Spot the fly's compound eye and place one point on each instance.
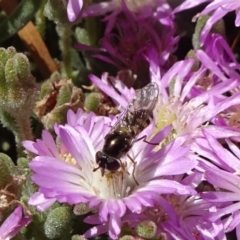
(100, 157)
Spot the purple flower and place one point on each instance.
(221, 168)
(229, 183)
(181, 103)
(209, 147)
(180, 217)
(221, 56)
(217, 8)
(12, 225)
(219, 59)
(128, 34)
(65, 173)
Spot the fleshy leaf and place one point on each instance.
(23, 13)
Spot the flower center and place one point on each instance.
(114, 185)
(179, 114)
(164, 117)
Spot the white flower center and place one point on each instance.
(114, 185)
(176, 113)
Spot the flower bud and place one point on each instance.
(146, 229)
(81, 209)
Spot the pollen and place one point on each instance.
(113, 176)
(68, 159)
(109, 176)
(165, 116)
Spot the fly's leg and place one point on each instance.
(144, 139)
(122, 167)
(134, 166)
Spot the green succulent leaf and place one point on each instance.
(23, 13)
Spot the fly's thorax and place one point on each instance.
(116, 144)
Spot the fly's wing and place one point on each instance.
(138, 114)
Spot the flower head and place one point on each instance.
(182, 101)
(65, 173)
(127, 36)
(221, 169)
(180, 217)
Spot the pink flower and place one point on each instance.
(127, 36)
(181, 217)
(65, 173)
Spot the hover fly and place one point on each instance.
(124, 134)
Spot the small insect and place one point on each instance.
(124, 134)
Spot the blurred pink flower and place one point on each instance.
(12, 225)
